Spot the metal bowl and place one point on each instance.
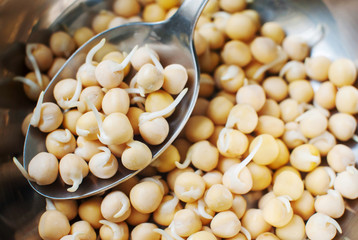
(33, 21)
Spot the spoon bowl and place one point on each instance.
(172, 40)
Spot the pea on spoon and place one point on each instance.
(172, 40)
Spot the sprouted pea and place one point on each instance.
(86, 71)
(34, 82)
(243, 117)
(312, 123)
(324, 142)
(281, 58)
(225, 224)
(321, 226)
(116, 207)
(346, 183)
(189, 187)
(32, 59)
(201, 235)
(232, 143)
(107, 133)
(164, 214)
(229, 77)
(83, 228)
(60, 142)
(110, 230)
(87, 148)
(153, 127)
(293, 70)
(104, 164)
(87, 126)
(47, 116)
(320, 180)
(289, 184)
(238, 178)
(305, 157)
(203, 155)
(292, 136)
(72, 170)
(185, 223)
(67, 93)
(254, 222)
(236, 52)
(278, 211)
(42, 169)
(109, 73)
(340, 157)
(53, 225)
(331, 204)
(136, 156)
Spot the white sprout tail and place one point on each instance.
(35, 119)
(150, 116)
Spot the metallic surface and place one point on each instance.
(20, 206)
(173, 43)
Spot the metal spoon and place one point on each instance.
(172, 39)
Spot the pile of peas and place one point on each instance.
(102, 107)
(258, 128)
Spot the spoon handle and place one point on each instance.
(185, 18)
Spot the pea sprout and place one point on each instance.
(29, 48)
(173, 232)
(169, 206)
(231, 72)
(103, 165)
(246, 233)
(117, 231)
(87, 70)
(155, 60)
(282, 56)
(220, 19)
(22, 170)
(286, 201)
(73, 102)
(73, 236)
(35, 120)
(201, 210)
(320, 225)
(125, 207)
(109, 73)
(62, 137)
(231, 178)
(187, 160)
(72, 170)
(291, 66)
(144, 117)
(164, 234)
(49, 205)
(156, 180)
(34, 88)
(315, 36)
